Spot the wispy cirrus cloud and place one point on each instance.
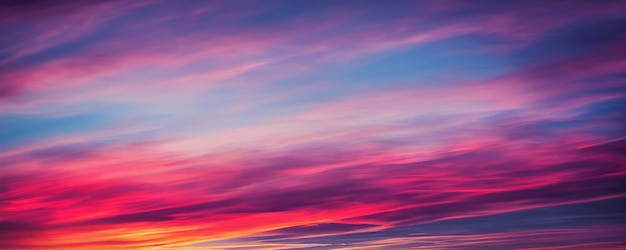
(312, 125)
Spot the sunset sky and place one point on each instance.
(297, 124)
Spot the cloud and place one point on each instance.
(355, 125)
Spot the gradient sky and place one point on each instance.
(303, 124)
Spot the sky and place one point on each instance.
(278, 124)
